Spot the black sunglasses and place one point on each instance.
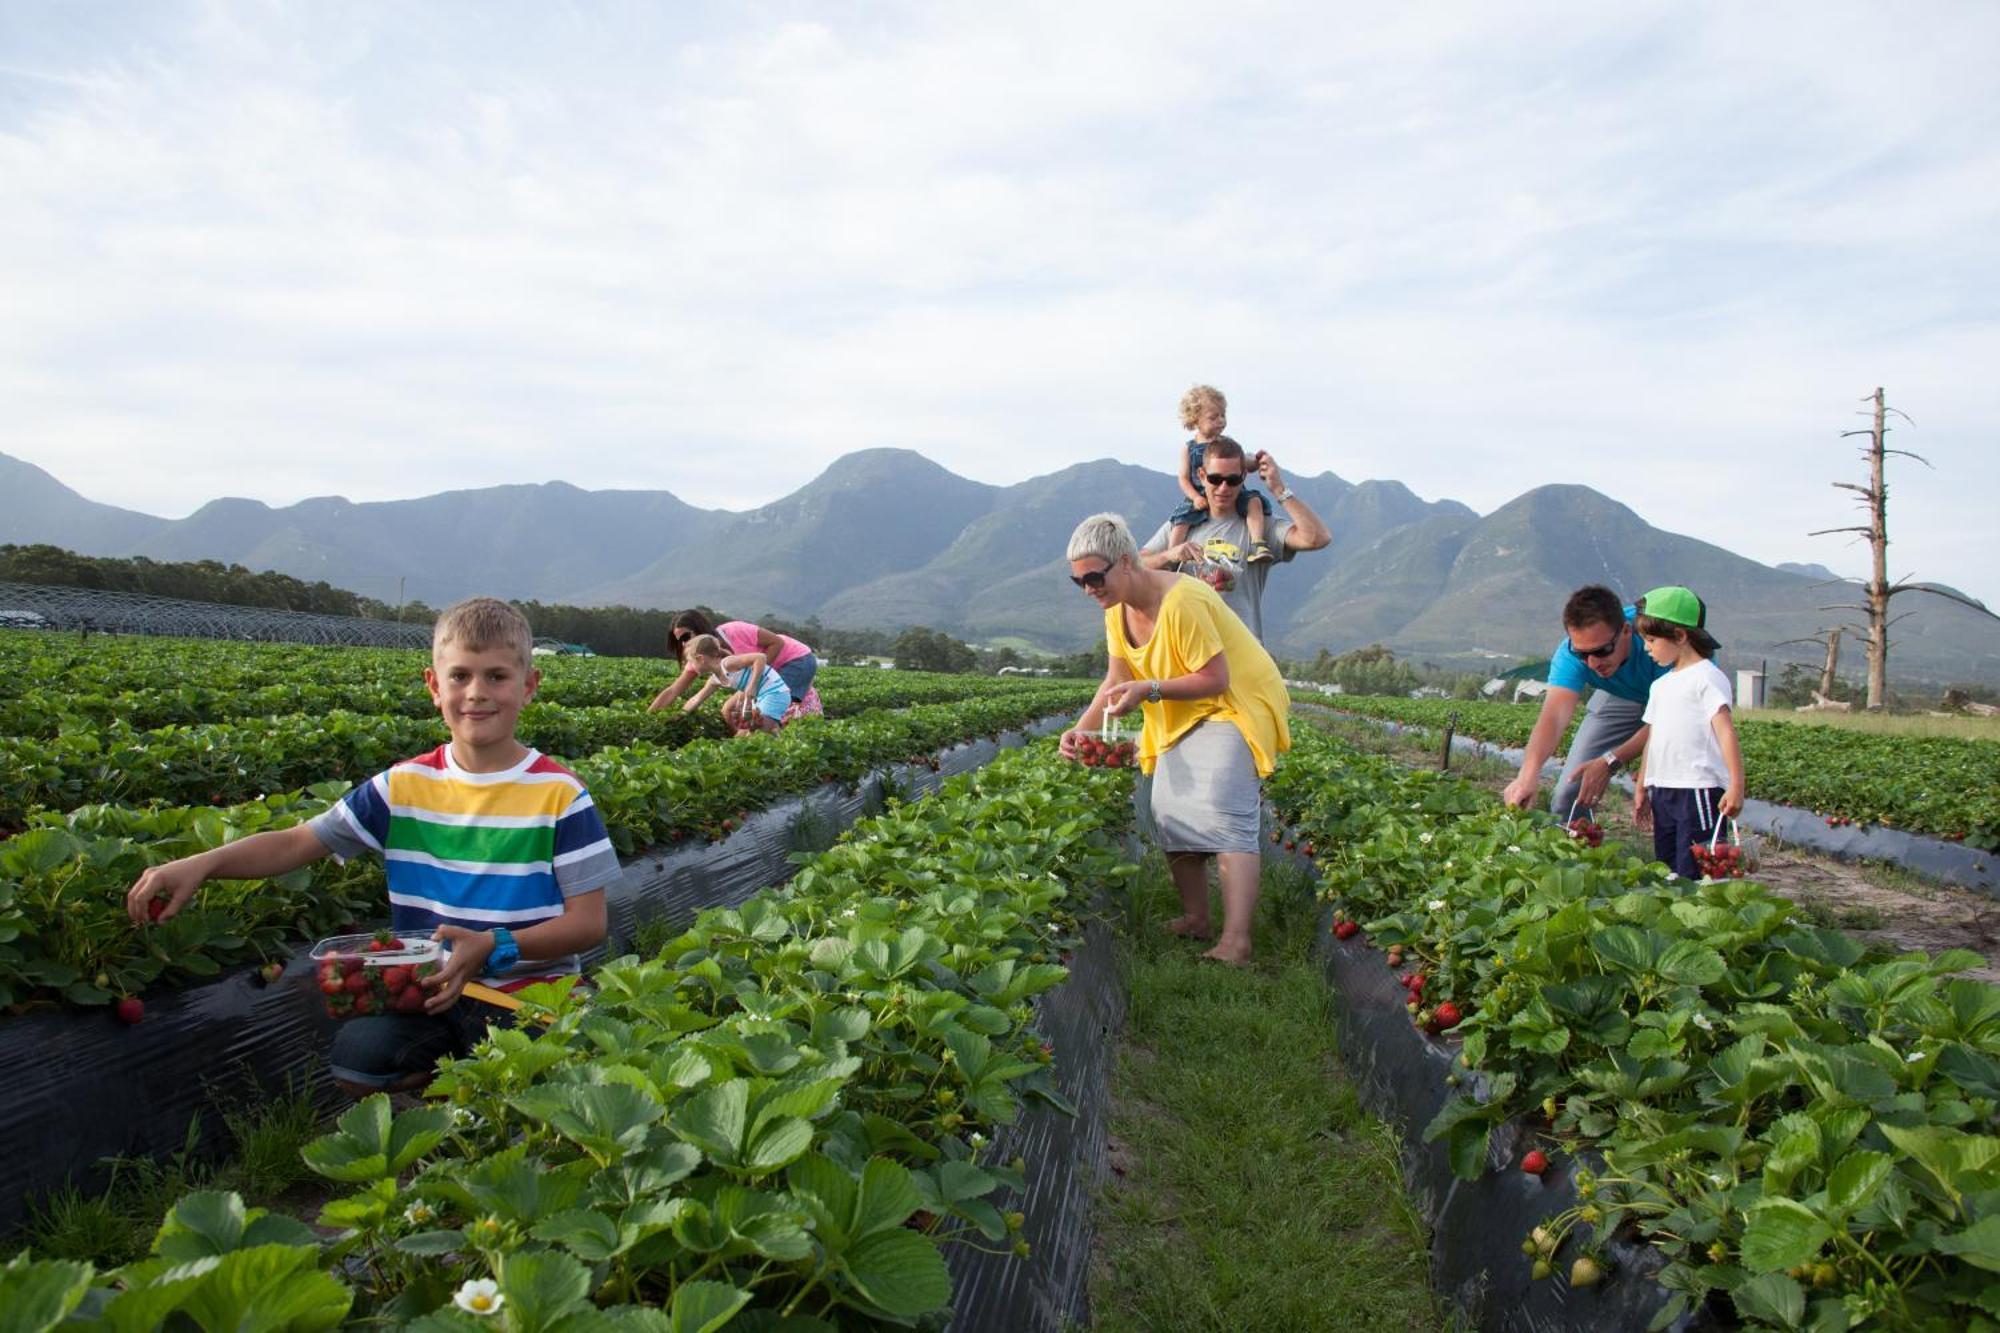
(1224, 478)
(1093, 580)
(1603, 650)
(683, 635)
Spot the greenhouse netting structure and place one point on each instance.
(36, 606)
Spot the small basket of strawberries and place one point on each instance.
(1218, 574)
(382, 973)
(1107, 747)
(1582, 827)
(1717, 859)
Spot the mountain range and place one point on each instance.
(886, 537)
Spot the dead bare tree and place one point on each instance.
(1878, 590)
(1828, 639)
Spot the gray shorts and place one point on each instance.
(1205, 793)
(1608, 722)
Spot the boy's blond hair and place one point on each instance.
(484, 623)
(705, 646)
(1193, 399)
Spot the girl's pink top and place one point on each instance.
(741, 636)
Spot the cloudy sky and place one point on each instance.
(283, 250)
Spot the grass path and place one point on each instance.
(1249, 1191)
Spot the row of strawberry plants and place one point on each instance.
(48, 710)
(778, 1123)
(1791, 1119)
(1940, 785)
(63, 931)
(222, 763)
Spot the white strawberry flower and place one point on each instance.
(1913, 1057)
(1436, 904)
(418, 1213)
(1425, 836)
(1513, 846)
(1701, 1021)
(480, 1296)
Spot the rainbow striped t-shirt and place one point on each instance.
(476, 850)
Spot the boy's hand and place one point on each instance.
(171, 885)
(1642, 809)
(1731, 804)
(467, 960)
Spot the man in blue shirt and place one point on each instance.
(1601, 649)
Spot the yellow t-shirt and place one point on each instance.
(1194, 625)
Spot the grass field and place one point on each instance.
(1956, 726)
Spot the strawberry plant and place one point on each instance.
(1803, 1128)
(789, 1109)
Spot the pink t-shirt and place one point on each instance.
(741, 636)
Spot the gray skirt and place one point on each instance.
(1205, 794)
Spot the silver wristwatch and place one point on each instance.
(1284, 496)
(1153, 694)
(1612, 761)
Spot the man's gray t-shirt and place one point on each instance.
(1226, 541)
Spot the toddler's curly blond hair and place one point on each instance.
(1193, 399)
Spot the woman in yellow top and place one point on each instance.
(1214, 708)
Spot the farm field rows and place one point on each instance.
(789, 1111)
(92, 807)
(1943, 786)
(1804, 1129)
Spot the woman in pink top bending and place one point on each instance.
(793, 661)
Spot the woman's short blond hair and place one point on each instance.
(1102, 537)
(480, 624)
(1193, 400)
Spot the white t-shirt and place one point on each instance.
(1682, 750)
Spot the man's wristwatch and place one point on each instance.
(1153, 694)
(1284, 496)
(1612, 761)
(505, 953)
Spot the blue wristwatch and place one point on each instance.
(505, 953)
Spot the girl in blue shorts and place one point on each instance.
(761, 695)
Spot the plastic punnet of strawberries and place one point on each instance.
(1722, 861)
(1098, 752)
(1585, 829)
(381, 973)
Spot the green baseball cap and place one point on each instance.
(1675, 605)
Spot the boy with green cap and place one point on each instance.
(1691, 777)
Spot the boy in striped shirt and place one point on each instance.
(490, 846)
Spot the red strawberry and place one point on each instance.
(364, 1003)
(1447, 1016)
(131, 1009)
(410, 1000)
(349, 966)
(395, 978)
(1307, 848)
(156, 907)
(1535, 1162)
(271, 973)
(333, 985)
(1345, 930)
(357, 983)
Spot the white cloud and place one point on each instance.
(283, 250)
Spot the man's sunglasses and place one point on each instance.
(1224, 478)
(1093, 580)
(1602, 650)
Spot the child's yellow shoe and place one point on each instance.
(1260, 554)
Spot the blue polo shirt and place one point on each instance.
(1633, 680)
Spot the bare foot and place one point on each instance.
(1233, 957)
(1188, 928)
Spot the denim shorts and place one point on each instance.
(1189, 515)
(798, 674)
(381, 1050)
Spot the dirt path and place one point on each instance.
(1879, 904)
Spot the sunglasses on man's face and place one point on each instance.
(1093, 580)
(1224, 478)
(1602, 650)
